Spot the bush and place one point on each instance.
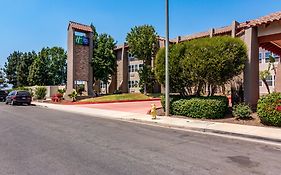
(61, 91)
(202, 62)
(242, 111)
(269, 109)
(40, 92)
(80, 89)
(199, 107)
(73, 95)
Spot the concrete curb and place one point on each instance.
(202, 126)
(205, 130)
(114, 101)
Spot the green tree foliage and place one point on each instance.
(57, 70)
(104, 59)
(180, 80)
(147, 79)
(23, 66)
(11, 67)
(38, 74)
(49, 68)
(207, 62)
(142, 41)
(2, 77)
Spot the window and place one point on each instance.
(136, 68)
(277, 57)
(260, 57)
(129, 84)
(269, 80)
(140, 66)
(133, 68)
(267, 55)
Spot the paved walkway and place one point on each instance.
(141, 107)
(254, 132)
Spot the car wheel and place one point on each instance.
(6, 102)
(13, 103)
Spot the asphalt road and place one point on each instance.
(40, 141)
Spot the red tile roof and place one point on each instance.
(80, 27)
(227, 29)
(240, 28)
(265, 19)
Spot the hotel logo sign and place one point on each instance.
(81, 40)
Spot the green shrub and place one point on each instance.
(73, 95)
(40, 92)
(269, 109)
(61, 91)
(199, 107)
(242, 111)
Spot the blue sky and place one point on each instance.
(27, 25)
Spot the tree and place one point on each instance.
(23, 66)
(179, 79)
(2, 77)
(142, 41)
(104, 59)
(57, 69)
(38, 73)
(266, 73)
(201, 63)
(11, 67)
(49, 67)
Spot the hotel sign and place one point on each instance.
(81, 40)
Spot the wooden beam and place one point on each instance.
(269, 38)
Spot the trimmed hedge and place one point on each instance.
(268, 109)
(199, 107)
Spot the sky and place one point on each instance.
(27, 25)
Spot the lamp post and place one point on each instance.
(167, 99)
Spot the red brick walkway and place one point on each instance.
(141, 107)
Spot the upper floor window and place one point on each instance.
(276, 57)
(267, 55)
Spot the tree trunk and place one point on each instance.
(105, 88)
(266, 85)
(144, 89)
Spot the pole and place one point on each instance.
(167, 99)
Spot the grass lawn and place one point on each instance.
(132, 96)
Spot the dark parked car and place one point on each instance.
(3, 95)
(18, 97)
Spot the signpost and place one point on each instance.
(167, 99)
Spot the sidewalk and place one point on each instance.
(254, 132)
